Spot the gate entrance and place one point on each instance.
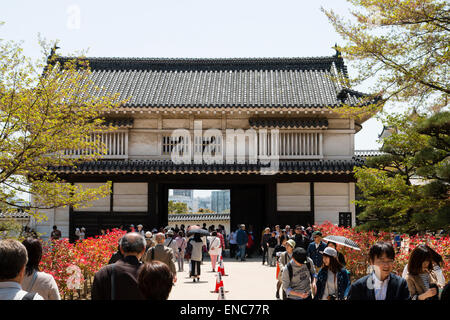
(246, 205)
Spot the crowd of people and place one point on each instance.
(146, 262)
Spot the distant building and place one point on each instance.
(204, 203)
(220, 200)
(185, 196)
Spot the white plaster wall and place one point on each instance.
(44, 227)
(102, 204)
(330, 199)
(58, 217)
(141, 143)
(175, 123)
(336, 144)
(146, 144)
(338, 124)
(130, 197)
(210, 123)
(145, 123)
(293, 196)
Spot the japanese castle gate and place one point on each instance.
(283, 103)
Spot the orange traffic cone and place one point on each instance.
(222, 268)
(219, 263)
(221, 294)
(219, 282)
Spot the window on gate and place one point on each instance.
(345, 219)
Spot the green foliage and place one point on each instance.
(177, 207)
(205, 210)
(46, 109)
(407, 188)
(403, 45)
(10, 229)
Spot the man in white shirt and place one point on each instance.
(13, 260)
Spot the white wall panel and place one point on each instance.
(330, 199)
(293, 196)
(102, 204)
(130, 197)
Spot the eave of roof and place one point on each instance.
(168, 167)
(199, 217)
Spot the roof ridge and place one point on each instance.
(203, 58)
(209, 64)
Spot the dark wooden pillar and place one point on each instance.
(163, 205)
(153, 205)
(71, 225)
(271, 204)
(311, 195)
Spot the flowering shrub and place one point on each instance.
(73, 264)
(358, 261)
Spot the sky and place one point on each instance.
(182, 29)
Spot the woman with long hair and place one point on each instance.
(340, 256)
(196, 256)
(35, 281)
(421, 278)
(332, 281)
(215, 249)
(437, 262)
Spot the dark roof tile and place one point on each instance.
(243, 82)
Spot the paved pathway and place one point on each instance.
(247, 280)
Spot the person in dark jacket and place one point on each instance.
(300, 240)
(333, 282)
(118, 281)
(272, 244)
(265, 245)
(315, 248)
(241, 239)
(381, 284)
(116, 256)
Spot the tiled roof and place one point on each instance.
(119, 123)
(168, 167)
(288, 123)
(15, 214)
(241, 82)
(368, 153)
(199, 217)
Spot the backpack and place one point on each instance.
(29, 296)
(289, 267)
(188, 250)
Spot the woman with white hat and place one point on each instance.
(333, 282)
(283, 260)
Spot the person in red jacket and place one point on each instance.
(250, 244)
(222, 241)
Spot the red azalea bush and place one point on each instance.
(74, 264)
(358, 261)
